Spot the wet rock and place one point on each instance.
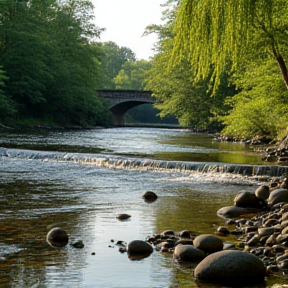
(234, 212)
(123, 216)
(139, 247)
(57, 237)
(168, 233)
(78, 244)
(208, 243)
(188, 253)
(149, 196)
(185, 234)
(222, 231)
(228, 267)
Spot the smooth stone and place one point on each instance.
(278, 196)
(57, 237)
(267, 231)
(168, 233)
(139, 247)
(248, 199)
(188, 253)
(262, 192)
(208, 243)
(228, 267)
(149, 196)
(234, 212)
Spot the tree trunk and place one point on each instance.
(282, 66)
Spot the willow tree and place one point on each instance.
(218, 34)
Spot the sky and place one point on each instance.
(125, 22)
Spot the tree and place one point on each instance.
(175, 89)
(49, 53)
(112, 59)
(6, 105)
(131, 75)
(214, 33)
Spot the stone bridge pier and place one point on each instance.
(120, 101)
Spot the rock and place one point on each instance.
(234, 212)
(278, 196)
(208, 243)
(78, 244)
(57, 237)
(228, 267)
(188, 253)
(247, 199)
(267, 231)
(262, 192)
(222, 231)
(149, 196)
(168, 233)
(123, 216)
(139, 247)
(184, 234)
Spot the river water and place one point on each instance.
(81, 180)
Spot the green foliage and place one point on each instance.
(148, 114)
(6, 105)
(175, 89)
(112, 59)
(49, 53)
(260, 107)
(216, 33)
(131, 75)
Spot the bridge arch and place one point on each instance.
(120, 101)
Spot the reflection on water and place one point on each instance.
(166, 144)
(37, 195)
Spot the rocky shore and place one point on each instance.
(258, 223)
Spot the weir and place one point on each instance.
(121, 162)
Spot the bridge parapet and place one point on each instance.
(117, 96)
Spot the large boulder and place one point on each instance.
(278, 196)
(188, 253)
(208, 243)
(231, 267)
(234, 212)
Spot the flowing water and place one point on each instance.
(80, 180)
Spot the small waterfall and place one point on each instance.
(121, 162)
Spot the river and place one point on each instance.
(80, 180)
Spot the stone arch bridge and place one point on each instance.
(120, 101)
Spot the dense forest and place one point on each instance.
(52, 63)
(219, 65)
